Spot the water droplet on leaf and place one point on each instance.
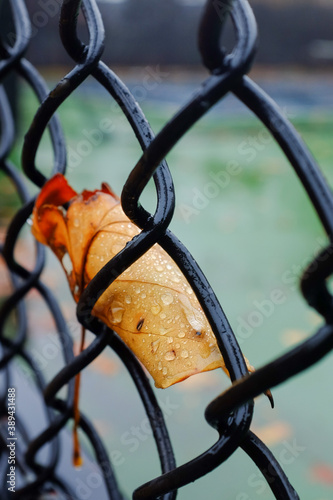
(170, 356)
(155, 346)
(117, 312)
(167, 299)
(155, 309)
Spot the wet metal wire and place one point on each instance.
(231, 412)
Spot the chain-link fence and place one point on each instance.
(35, 474)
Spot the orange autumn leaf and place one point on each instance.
(150, 305)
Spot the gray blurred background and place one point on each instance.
(138, 32)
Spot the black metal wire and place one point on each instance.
(231, 412)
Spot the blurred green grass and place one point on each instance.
(248, 236)
(261, 218)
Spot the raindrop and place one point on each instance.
(167, 299)
(191, 314)
(128, 299)
(184, 354)
(117, 312)
(143, 295)
(170, 356)
(162, 315)
(181, 335)
(155, 309)
(76, 223)
(204, 350)
(159, 366)
(155, 345)
(165, 371)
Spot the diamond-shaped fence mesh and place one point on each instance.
(36, 473)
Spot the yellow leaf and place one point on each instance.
(151, 305)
